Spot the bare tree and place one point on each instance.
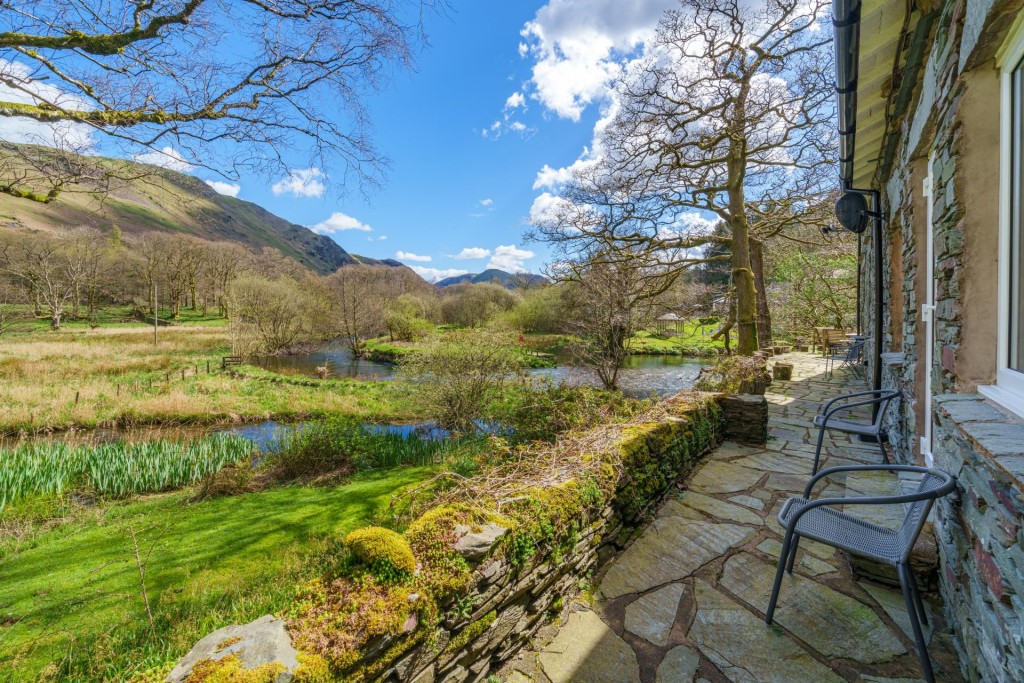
(12, 303)
(267, 315)
(154, 76)
(729, 115)
(356, 304)
(226, 261)
(608, 302)
(47, 266)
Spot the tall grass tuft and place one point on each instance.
(114, 469)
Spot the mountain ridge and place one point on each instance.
(502, 277)
(157, 199)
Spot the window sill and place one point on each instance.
(988, 428)
(1004, 398)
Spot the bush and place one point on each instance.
(459, 374)
(386, 552)
(541, 412)
(735, 374)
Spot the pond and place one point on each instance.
(335, 356)
(641, 377)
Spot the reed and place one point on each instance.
(114, 469)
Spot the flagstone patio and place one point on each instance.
(685, 602)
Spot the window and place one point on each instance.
(1009, 387)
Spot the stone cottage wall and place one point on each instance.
(978, 530)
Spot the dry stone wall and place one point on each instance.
(511, 574)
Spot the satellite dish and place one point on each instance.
(852, 212)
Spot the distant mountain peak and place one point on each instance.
(501, 277)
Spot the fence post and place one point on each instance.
(207, 367)
(183, 374)
(118, 389)
(76, 398)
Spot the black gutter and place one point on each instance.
(846, 23)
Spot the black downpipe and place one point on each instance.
(846, 24)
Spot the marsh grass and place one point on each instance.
(117, 377)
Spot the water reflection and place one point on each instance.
(335, 356)
(641, 376)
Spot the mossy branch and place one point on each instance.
(105, 43)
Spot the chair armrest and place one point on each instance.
(950, 480)
(856, 404)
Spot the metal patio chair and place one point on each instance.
(826, 418)
(816, 520)
(847, 353)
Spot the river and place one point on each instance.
(641, 377)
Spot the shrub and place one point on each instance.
(386, 552)
(459, 374)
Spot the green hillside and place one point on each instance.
(146, 198)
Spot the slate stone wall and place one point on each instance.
(978, 529)
(980, 539)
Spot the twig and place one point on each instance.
(142, 578)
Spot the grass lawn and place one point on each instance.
(72, 598)
(689, 342)
(116, 376)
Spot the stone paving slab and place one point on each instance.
(685, 602)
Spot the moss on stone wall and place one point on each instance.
(360, 624)
(386, 552)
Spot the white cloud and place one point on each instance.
(230, 189)
(546, 208)
(473, 252)
(302, 182)
(435, 274)
(382, 238)
(27, 90)
(577, 46)
(486, 202)
(510, 258)
(409, 256)
(500, 128)
(165, 157)
(515, 100)
(339, 222)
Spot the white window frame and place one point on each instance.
(1008, 391)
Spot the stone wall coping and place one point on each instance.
(995, 433)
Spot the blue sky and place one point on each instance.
(457, 184)
(502, 104)
(449, 187)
